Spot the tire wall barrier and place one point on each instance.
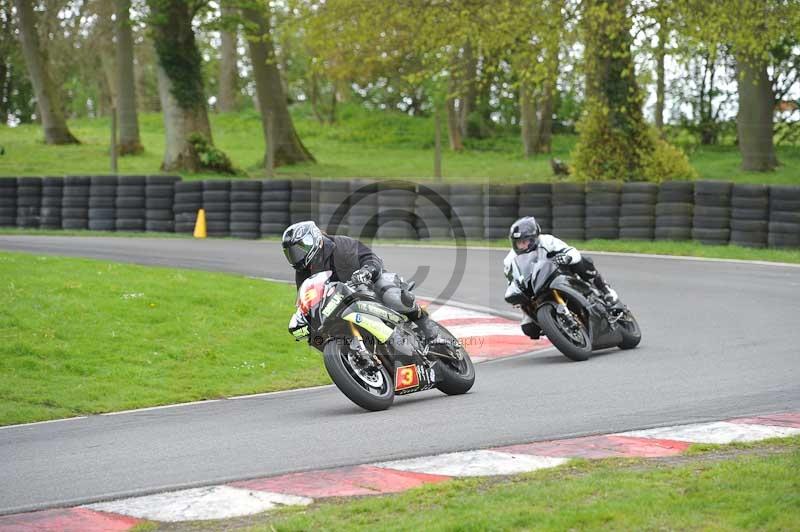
(637, 211)
(711, 223)
(569, 211)
(500, 208)
(712, 212)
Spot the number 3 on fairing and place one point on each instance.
(406, 377)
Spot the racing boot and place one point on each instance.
(423, 320)
(609, 294)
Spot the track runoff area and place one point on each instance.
(486, 337)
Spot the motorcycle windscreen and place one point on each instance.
(534, 271)
(311, 291)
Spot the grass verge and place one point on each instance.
(83, 336)
(362, 142)
(754, 486)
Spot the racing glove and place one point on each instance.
(562, 259)
(362, 276)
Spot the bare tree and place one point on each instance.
(47, 95)
(283, 144)
(129, 142)
(756, 114)
(228, 78)
(180, 88)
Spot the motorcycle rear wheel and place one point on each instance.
(573, 349)
(458, 374)
(356, 386)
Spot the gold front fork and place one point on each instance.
(558, 298)
(355, 331)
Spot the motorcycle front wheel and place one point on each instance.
(368, 385)
(570, 336)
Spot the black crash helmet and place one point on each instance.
(302, 244)
(524, 235)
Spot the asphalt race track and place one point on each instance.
(720, 340)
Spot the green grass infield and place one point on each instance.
(81, 336)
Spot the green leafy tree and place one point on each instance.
(181, 88)
(752, 29)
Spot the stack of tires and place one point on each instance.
(102, 202)
(75, 204)
(466, 206)
(432, 210)
(275, 196)
(333, 206)
(603, 199)
(246, 209)
(784, 217)
(569, 211)
(396, 210)
(637, 212)
(711, 223)
(536, 199)
(131, 201)
(159, 198)
(187, 201)
(52, 196)
(500, 207)
(674, 211)
(8, 202)
(749, 215)
(29, 201)
(217, 204)
(362, 218)
(303, 203)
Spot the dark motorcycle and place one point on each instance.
(373, 353)
(570, 311)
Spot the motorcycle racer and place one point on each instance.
(309, 250)
(526, 236)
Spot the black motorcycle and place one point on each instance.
(373, 353)
(572, 312)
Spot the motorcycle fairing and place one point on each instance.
(371, 324)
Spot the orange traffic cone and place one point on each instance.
(200, 224)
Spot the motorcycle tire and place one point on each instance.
(343, 376)
(631, 333)
(458, 376)
(546, 316)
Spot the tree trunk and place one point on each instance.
(527, 119)
(276, 122)
(545, 118)
(437, 144)
(180, 87)
(469, 91)
(179, 125)
(660, 73)
(756, 112)
(108, 83)
(129, 142)
(47, 96)
(228, 78)
(453, 129)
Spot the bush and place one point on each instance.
(606, 154)
(210, 157)
(666, 162)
